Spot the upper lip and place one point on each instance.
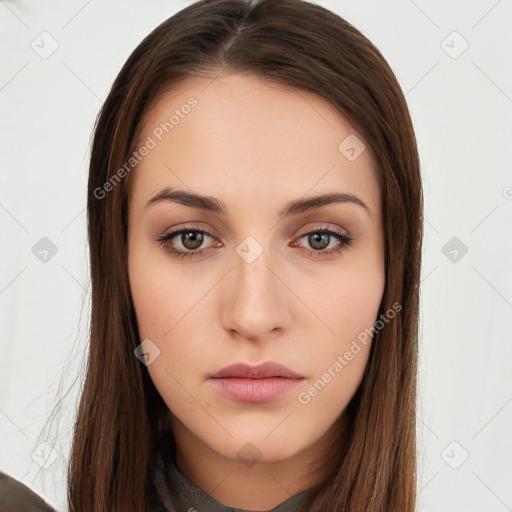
(259, 371)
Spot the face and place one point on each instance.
(254, 272)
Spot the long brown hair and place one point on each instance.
(121, 419)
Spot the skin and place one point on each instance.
(254, 146)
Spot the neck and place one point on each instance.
(260, 485)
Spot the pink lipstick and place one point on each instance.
(255, 383)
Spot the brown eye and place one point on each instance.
(192, 239)
(187, 242)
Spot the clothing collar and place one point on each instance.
(177, 493)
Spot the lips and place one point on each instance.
(261, 371)
(255, 383)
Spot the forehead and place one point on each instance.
(255, 135)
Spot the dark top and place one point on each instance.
(173, 492)
(17, 497)
(176, 493)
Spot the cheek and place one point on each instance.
(154, 312)
(349, 300)
(153, 289)
(348, 306)
(338, 361)
(170, 311)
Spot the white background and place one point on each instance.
(462, 111)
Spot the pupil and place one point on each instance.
(192, 239)
(316, 240)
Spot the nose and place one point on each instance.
(256, 302)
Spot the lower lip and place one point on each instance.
(255, 390)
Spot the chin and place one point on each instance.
(256, 446)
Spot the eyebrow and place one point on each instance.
(211, 204)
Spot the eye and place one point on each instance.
(189, 240)
(322, 238)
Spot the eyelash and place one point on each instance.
(343, 238)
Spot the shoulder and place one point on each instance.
(17, 497)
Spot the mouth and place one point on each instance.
(265, 370)
(255, 383)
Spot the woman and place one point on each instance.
(255, 229)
